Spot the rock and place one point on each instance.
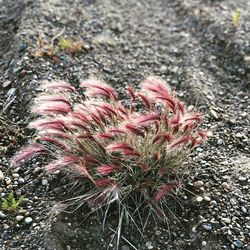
(199, 199)
(236, 231)
(28, 220)
(149, 245)
(220, 142)
(1, 176)
(242, 179)
(203, 243)
(19, 218)
(125, 247)
(22, 47)
(209, 133)
(21, 181)
(163, 69)
(238, 243)
(7, 181)
(157, 232)
(2, 215)
(206, 198)
(244, 210)
(214, 114)
(44, 182)
(247, 59)
(6, 83)
(226, 220)
(198, 184)
(15, 175)
(213, 203)
(225, 186)
(207, 227)
(6, 226)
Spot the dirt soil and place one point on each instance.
(197, 47)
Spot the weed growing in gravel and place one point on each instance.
(236, 18)
(51, 50)
(127, 154)
(10, 203)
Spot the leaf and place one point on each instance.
(5, 203)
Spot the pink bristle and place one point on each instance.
(52, 98)
(145, 101)
(82, 170)
(54, 133)
(163, 137)
(45, 123)
(99, 88)
(202, 134)
(146, 119)
(164, 190)
(105, 182)
(180, 141)
(60, 164)
(131, 153)
(117, 131)
(107, 169)
(119, 147)
(194, 117)
(90, 159)
(51, 108)
(58, 85)
(27, 153)
(134, 129)
(131, 92)
(53, 141)
(105, 136)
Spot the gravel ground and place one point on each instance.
(192, 44)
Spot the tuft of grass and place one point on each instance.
(51, 50)
(123, 154)
(236, 18)
(70, 46)
(10, 203)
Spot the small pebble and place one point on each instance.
(225, 186)
(204, 243)
(242, 179)
(21, 181)
(28, 220)
(206, 198)
(157, 232)
(149, 245)
(207, 227)
(125, 247)
(7, 180)
(2, 215)
(44, 182)
(238, 243)
(15, 175)
(19, 218)
(220, 142)
(210, 134)
(214, 114)
(226, 220)
(6, 226)
(1, 176)
(236, 231)
(199, 199)
(213, 203)
(198, 184)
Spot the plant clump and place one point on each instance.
(10, 203)
(124, 153)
